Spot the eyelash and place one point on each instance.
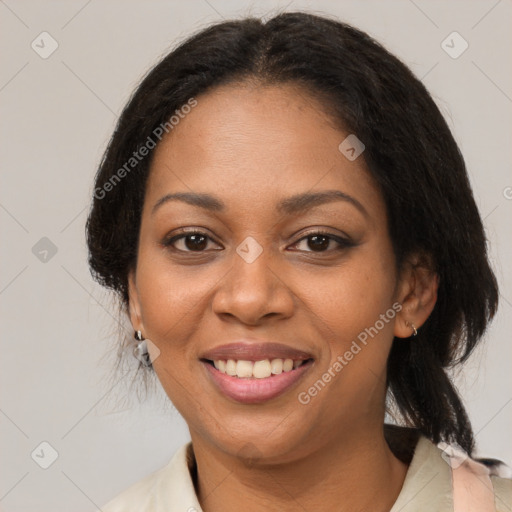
(343, 243)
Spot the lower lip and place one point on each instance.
(255, 391)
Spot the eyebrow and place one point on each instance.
(289, 206)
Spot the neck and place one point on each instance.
(355, 473)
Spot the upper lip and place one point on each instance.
(254, 351)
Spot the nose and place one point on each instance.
(253, 291)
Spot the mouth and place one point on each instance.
(255, 373)
(251, 372)
(262, 369)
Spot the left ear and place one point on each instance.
(417, 292)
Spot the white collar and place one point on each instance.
(427, 486)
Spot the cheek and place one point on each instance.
(172, 302)
(171, 299)
(357, 304)
(351, 376)
(352, 297)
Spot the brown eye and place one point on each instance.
(319, 242)
(193, 241)
(323, 242)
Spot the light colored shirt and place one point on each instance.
(427, 486)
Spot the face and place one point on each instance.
(291, 247)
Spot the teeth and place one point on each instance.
(276, 366)
(259, 370)
(230, 367)
(244, 369)
(288, 365)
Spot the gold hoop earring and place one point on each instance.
(414, 330)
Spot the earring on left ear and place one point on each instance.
(414, 330)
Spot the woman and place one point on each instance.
(287, 220)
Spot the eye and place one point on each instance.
(322, 241)
(191, 241)
(317, 241)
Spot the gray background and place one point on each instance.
(58, 328)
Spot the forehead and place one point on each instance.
(253, 144)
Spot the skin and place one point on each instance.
(252, 146)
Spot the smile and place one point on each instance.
(254, 382)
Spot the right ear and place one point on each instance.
(134, 303)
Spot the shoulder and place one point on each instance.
(487, 475)
(139, 496)
(502, 493)
(169, 488)
(429, 482)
